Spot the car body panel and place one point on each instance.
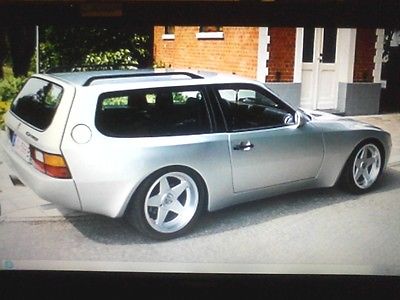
(131, 160)
(341, 137)
(60, 191)
(272, 161)
(106, 171)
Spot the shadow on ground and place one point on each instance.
(116, 231)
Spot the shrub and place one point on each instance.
(4, 106)
(119, 57)
(159, 64)
(9, 89)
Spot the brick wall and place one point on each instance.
(364, 56)
(282, 48)
(235, 53)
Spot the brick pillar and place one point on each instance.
(282, 48)
(364, 56)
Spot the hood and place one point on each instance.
(348, 122)
(320, 115)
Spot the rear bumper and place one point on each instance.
(60, 191)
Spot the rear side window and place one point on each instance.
(153, 112)
(37, 102)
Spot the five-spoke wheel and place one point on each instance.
(363, 167)
(366, 166)
(171, 202)
(167, 203)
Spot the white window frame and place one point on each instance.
(210, 35)
(168, 36)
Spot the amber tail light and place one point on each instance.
(51, 164)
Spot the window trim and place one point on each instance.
(217, 35)
(215, 87)
(168, 36)
(200, 88)
(55, 109)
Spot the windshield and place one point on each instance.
(37, 102)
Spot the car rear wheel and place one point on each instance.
(168, 203)
(363, 168)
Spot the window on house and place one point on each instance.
(210, 28)
(210, 32)
(169, 33)
(169, 29)
(308, 45)
(329, 49)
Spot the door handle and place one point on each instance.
(244, 146)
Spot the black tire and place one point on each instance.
(137, 216)
(348, 180)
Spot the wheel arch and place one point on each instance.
(364, 141)
(164, 169)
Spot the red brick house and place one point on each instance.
(336, 69)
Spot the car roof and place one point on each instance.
(88, 78)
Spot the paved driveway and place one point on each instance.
(316, 231)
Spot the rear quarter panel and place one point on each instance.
(108, 170)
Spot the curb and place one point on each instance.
(6, 219)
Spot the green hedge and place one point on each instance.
(4, 106)
(9, 88)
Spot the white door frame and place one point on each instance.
(263, 54)
(344, 65)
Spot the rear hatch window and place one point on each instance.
(37, 102)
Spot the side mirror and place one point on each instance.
(300, 119)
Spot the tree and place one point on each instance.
(70, 46)
(3, 50)
(20, 48)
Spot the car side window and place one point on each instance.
(153, 112)
(250, 107)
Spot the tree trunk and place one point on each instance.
(22, 46)
(3, 50)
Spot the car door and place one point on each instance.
(266, 147)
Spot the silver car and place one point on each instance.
(161, 147)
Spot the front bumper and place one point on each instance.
(59, 191)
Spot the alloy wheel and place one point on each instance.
(366, 166)
(171, 202)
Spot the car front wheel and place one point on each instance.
(168, 203)
(363, 168)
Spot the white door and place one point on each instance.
(319, 89)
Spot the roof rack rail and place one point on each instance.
(112, 76)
